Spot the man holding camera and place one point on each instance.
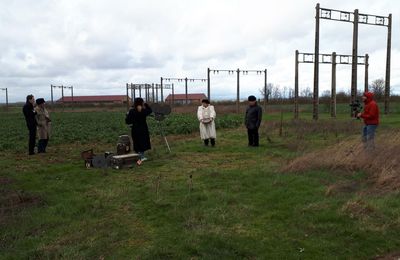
(371, 120)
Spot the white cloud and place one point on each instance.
(98, 46)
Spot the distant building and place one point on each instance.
(114, 99)
(181, 98)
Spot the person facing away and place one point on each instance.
(370, 115)
(253, 121)
(206, 115)
(43, 124)
(29, 114)
(136, 117)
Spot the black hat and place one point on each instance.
(40, 101)
(252, 98)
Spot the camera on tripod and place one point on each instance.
(356, 108)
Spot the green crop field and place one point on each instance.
(227, 202)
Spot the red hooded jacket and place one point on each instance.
(371, 110)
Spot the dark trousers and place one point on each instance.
(253, 137)
(32, 140)
(206, 141)
(42, 145)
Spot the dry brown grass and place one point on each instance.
(382, 164)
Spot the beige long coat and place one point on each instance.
(43, 123)
(207, 130)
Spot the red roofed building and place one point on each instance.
(117, 99)
(181, 98)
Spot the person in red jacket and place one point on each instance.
(371, 119)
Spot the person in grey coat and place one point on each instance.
(253, 121)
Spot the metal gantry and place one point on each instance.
(238, 71)
(6, 90)
(160, 88)
(150, 91)
(62, 87)
(356, 18)
(333, 59)
(186, 80)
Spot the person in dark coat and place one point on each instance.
(30, 113)
(136, 117)
(253, 121)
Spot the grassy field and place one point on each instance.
(228, 202)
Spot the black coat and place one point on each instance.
(253, 117)
(29, 113)
(140, 130)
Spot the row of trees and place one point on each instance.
(277, 93)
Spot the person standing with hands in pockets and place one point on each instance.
(253, 121)
(206, 115)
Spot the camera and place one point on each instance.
(356, 108)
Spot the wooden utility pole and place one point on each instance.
(316, 64)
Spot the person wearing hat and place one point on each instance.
(253, 121)
(30, 114)
(43, 124)
(370, 115)
(206, 116)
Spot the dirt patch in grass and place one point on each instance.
(358, 209)
(390, 256)
(12, 202)
(343, 187)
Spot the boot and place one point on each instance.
(212, 142)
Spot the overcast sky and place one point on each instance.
(98, 45)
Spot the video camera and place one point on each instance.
(160, 111)
(356, 108)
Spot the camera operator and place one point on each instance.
(136, 117)
(371, 120)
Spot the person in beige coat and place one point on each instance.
(43, 125)
(206, 115)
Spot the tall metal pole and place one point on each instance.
(72, 94)
(161, 91)
(52, 101)
(62, 96)
(316, 64)
(296, 86)
(388, 54)
(354, 60)
(366, 73)
(152, 92)
(127, 96)
(208, 84)
(157, 87)
(333, 86)
(133, 91)
(238, 91)
(173, 94)
(6, 98)
(265, 90)
(186, 91)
